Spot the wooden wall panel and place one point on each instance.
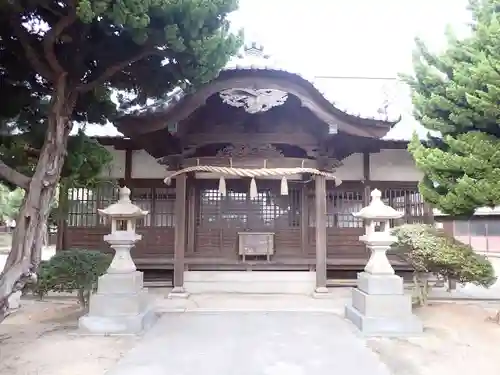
(215, 227)
(86, 228)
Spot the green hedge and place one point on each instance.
(70, 271)
(430, 250)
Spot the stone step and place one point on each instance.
(253, 282)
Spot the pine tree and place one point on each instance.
(456, 96)
(71, 55)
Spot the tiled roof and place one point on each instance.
(253, 58)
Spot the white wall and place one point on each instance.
(393, 165)
(145, 166)
(117, 167)
(352, 168)
(388, 165)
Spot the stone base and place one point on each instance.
(120, 283)
(380, 307)
(178, 292)
(375, 284)
(117, 325)
(321, 293)
(120, 306)
(250, 282)
(385, 305)
(395, 326)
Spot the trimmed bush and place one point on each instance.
(44, 282)
(70, 271)
(430, 250)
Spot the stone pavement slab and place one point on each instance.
(250, 343)
(334, 302)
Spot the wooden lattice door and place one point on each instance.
(220, 218)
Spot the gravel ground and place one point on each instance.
(38, 340)
(459, 339)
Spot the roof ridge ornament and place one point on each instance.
(256, 50)
(252, 57)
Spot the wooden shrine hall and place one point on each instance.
(255, 171)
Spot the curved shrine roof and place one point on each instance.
(247, 75)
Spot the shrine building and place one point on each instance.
(255, 171)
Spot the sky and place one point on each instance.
(349, 38)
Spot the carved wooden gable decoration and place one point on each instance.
(254, 101)
(265, 151)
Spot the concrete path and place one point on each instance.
(250, 343)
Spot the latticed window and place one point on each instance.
(340, 205)
(82, 207)
(107, 194)
(143, 197)
(164, 207)
(237, 210)
(340, 208)
(407, 201)
(159, 202)
(83, 204)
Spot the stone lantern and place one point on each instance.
(121, 304)
(377, 216)
(123, 216)
(379, 305)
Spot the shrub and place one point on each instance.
(430, 250)
(44, 281)
(72, 270)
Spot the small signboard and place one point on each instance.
(256, 244)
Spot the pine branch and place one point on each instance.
(50, 40)
(13, 176)
(31, 54)
(48, 8)
(113, 69)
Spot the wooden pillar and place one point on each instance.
(320, 186)
(180, 233)
(129, 153)
(428, 214)
(366, 178)
(62, 221)
(191, 215)
(304, 219)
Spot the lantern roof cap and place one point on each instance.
(377, 209)
(123, 208)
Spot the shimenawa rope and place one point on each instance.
(257, 172)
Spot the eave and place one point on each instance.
(157, 117)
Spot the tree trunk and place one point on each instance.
(27, 238)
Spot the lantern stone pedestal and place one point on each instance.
(379, 305)
(121, 304)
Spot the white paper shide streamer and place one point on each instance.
(252, 173)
